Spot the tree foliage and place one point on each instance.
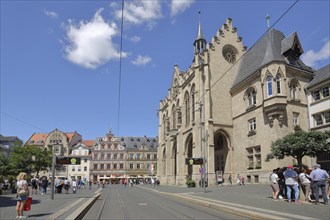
(4, 165)
(300, 144)
(29, 159)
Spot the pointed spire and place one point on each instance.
(200, 42)
(199, 33)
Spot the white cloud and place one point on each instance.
(90, 42)
(141, 60)
(51, 14)
(311, 58)
(135, 38)
(140, 12)
(179, 6)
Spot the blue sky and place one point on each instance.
(60, 59)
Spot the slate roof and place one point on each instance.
(136, 142)
(266, 50)
(7, 138)
(320, 76)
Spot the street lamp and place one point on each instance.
(53, 175)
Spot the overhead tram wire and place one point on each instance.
(24, 122)
(120, 65)
(280, 18)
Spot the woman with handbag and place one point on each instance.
(22, 194)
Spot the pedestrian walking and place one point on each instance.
(230, 183)
(90, 184)
(319, 179)
(22, 194)
(34, 184)
(274, 184)
(291, 183)
(305, 181)
(44, 185)
(239, 180)
(66, 185)
(74, 186)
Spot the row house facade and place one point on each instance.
(81, 150)
(116, 158)
(229, 106)
(319, 108)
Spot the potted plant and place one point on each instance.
(190, 183)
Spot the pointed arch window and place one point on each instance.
(279, 84)
(179, 115)
(174, 116)
(164, 127)
(193, 103)
(269, 86)
(187, 108)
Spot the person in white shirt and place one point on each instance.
(21, 198)
(274, 184)
(305, 181)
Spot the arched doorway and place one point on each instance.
(220, 152)
(189, 153)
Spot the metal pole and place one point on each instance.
(53, 176)
(201, 137)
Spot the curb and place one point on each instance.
(83, 209)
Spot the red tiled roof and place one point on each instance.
(38, 138)
(88, 143)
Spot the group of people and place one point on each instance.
(66, 184)
(240, 180)
(37, 184)
(286, 183)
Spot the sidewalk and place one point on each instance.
(43, 207)
(251, 197)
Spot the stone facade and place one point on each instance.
(230, 105)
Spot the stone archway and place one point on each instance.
(221, 151)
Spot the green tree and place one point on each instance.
(29, 159)
(300, 144)
(4, 165)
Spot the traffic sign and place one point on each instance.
(68, 160)
(194, 161)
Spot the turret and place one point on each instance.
(200, 42)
